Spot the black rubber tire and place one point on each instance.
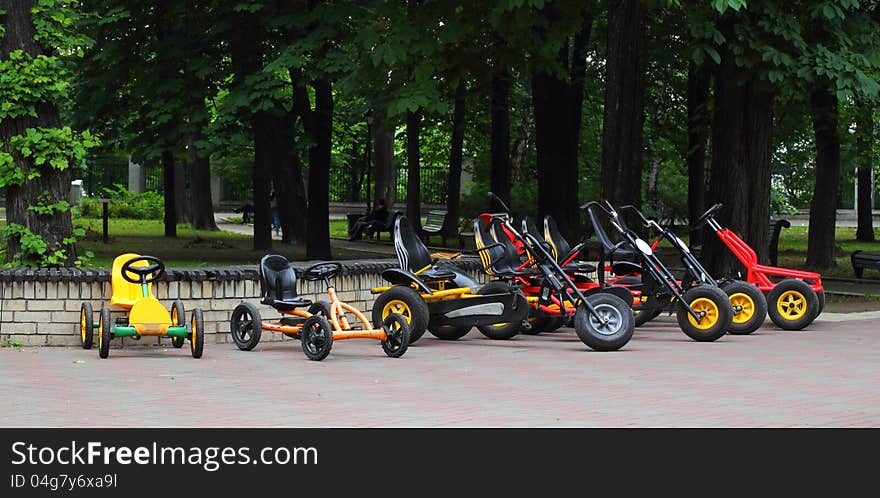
(177, 311)
(723, 313)
(397, 331)
(735, 289)
(781, 290)
(449, 332)
(527, 326)
(245, 325)
(196, 334)
(821, 296)
(651, 310)
(105, 333)
(418, 309)
(600, 337)
(505, 330)
(548, 323)
(320, 308)
(316, 338)
(86, 326)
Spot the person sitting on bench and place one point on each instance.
(375, 217)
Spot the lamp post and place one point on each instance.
(368, 117)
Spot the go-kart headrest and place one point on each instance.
(554, 237)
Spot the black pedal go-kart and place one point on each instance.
(704, 311)
(432, 294)
(602, 320)
(748, 302)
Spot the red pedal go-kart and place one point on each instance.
(794, 297)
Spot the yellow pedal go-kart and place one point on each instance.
(131, 280)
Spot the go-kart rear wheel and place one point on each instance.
(749, 306)
(316, 337)
(406, 302)
(548, 323)
(714, 308)
(178, 315)
(792, 304)
(449, 332)
(105, 332)
(501, 330)
(246, 326)
(610, 328)
(397, 332)
(86, 326)
(821, 296)
(196, 334)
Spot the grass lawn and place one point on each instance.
(192, 248)
(793, 249)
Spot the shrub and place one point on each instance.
(125, 204)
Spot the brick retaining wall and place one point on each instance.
(41, 307)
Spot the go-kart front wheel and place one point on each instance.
(609, 328)
(449, 332)
(86, 326)
(105, 332)
(715, 311)
(196, 333)
(178, 315)
(316, 337)
(792, 304)
(246, 326)
(397, 335)
(749, 307)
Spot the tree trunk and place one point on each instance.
(318, 235)
(383, 165)
(180, 201)
(202, 207)
(741, 149)
(288, 181)
(261, 176)
(557, 110)
(55, 227)
(453, 184)
(823, 208)
(500, 168)
(413, 179)
(169, 187)
(864, 185)
(622, 130)
(698, 121)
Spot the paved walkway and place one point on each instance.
(825, 376)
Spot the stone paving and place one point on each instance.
(827, 376)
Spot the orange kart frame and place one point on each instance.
(322, 324)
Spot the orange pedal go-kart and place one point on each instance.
(322, 324)
(131, 280)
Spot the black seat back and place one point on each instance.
(411, 252)
(277, 279)
(599, 230)
(559, 246)
(497, 258)
(528, 226)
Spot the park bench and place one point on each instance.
(434, 225)
(862, 260)
(386, 226)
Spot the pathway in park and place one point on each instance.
(826, 376)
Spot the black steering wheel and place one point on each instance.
(145, 274)
(709, 212)
(322, 271)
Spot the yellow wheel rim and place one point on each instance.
(192, 324)
(100, 331)
(708, 309)
(175, 320)
(746, 307)
(399, 307)
(82, 325)
(791, 305)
